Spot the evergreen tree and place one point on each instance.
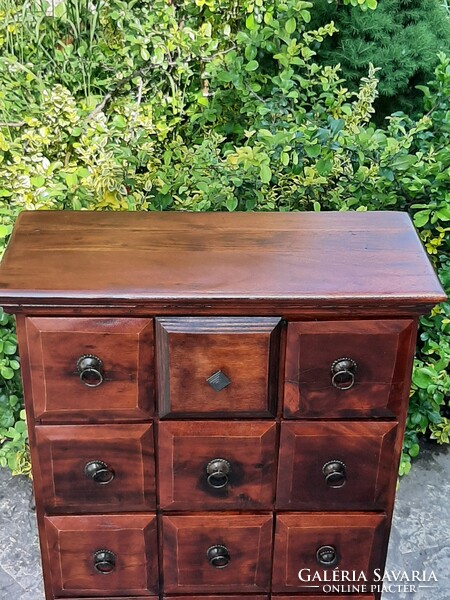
(402, 37)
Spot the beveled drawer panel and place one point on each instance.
(97, 468)
(221, 597)
(347, 368)
(205, 465)
(217, 366)
(349, 541)
(89, 369)
(322, 597)
(113, 555)
(217, 552)
(335, 465)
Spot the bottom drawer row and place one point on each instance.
(252, 597)
(117, 555)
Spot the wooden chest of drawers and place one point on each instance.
(216, 402)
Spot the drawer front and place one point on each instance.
(217, 366)
(103, 555)
(347, 368)
(328, 596)
(217, 552)
(206, 465)
(348, 541)
(335, 465)
(97, 468)
(90, 370)
(209, 597)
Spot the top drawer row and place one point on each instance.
(89, 369)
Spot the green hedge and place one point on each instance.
(213, 105)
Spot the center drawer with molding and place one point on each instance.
(217, 552)
(217, 367)
(206, 465)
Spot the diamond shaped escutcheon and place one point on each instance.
(218, 381)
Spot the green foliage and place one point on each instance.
(216, 105)
(402, 37)
(13, 452)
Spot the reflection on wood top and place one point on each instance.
(64, 257)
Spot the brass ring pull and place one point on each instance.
(99, 472)
(327, 556)
(334, 472)
(104, 561)
(343, 373)
(218, 471)
(90, 369)
(218, 556)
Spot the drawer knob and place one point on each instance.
(218, 556)
(334, 472)
(90, 368)
(343, 373)
(327, 556)
(104, 561)
(218, 471)
(99, 472)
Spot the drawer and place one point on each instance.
(335, 465)
(328, 597)
(96, 468)
(112, 555)
(348, 541)
(209, 597)
(89, 370)
(207, 465)
(217, 366)
(217, 552)
(347, 368)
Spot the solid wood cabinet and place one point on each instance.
(215, 402)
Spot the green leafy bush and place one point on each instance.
(402, 37)
(217, 105)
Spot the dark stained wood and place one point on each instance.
(73, 540)
(365, 448)
(186, 448)
(356, 536)
(103, 257)
(322, 597)
(95, 283)
(186, 540)
(379, 348)
(125, 345)
(189, 350)
(221, 597)
(64, 451)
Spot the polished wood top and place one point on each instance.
(105, 258)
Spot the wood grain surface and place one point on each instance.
(192, 349)
(185, 449)
(64, 451)
(380, 349)
(100, 258)
(124, 345)
(357, 538)
(186, 540)
(364, 448)
(73, 540)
